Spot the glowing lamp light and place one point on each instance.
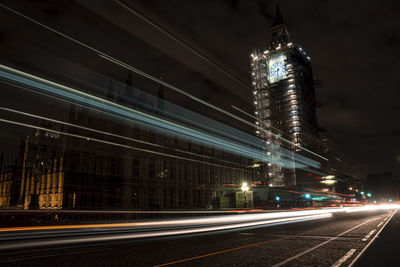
(277, 198)
(328, 182)
(245, 187)
(369, 195)
(390, 200)
(307, 195)
(362, 193)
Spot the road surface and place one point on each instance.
(335, 240)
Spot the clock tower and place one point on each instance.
(284, 99)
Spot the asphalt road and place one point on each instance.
(334, 241)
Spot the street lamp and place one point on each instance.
(369, 195)
(245, 188)
(307, 195)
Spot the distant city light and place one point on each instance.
(362, 193)
(307, 195)
(369, 195)
(277, 198)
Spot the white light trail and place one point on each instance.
(171, 227)
(153, 234)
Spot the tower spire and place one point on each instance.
(280, 33)
(278, 19)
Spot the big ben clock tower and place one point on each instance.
(284, 99)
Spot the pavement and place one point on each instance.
(335, 241)
(384, 249)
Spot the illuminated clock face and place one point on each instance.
(277, 69)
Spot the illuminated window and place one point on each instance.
(294, 118)
(290, 92)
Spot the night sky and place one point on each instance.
(354, 48)
(353, 45)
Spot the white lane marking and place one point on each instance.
(317, 246)
(368, 235)
(370, 242)
(344, 258)
(380, 224)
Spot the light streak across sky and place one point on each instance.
(104, 133)
(159, 81)
(156, 123)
